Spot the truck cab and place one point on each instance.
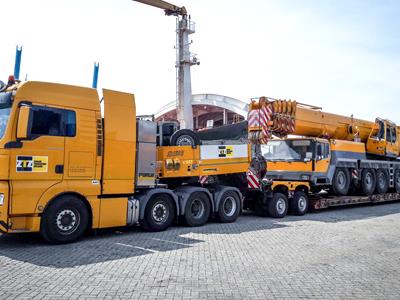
(298, 159)
(67, 166)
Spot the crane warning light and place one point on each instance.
(11, 80)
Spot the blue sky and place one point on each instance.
(341, 55)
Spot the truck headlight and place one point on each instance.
(1, 199)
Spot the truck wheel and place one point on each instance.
(229, 207)
(159, 213)
(197, 209)
(397, 181)
(341, 181)
(299, 203)
(382, 181)
(368, 181)
(278, 206)
(184, 137)
(64, 220)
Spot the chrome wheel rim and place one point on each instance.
(229, 206)
(280, 206)
(341, 179)
(185, 141)
(197, 208)
(302, 203)
(67, 221)
(160, 212)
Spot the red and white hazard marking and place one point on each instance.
(203, 179)
(354, 173)
(252, 180)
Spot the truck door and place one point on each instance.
(392, 149)
(39, 163)
(322, 158)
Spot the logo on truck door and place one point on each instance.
(32, 163)
(225, 151)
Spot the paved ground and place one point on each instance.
(335, 254)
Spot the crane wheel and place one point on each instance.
(184, 137)
(278, 205)
(397, 181)
(341, 181)
(229, 207)
(299, 203)
(197, 209)
(64, 220)
(368, 181)
(382, 181)
(159, 213)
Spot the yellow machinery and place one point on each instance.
(344, 155)
(65, 169)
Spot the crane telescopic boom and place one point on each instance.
(269, 116)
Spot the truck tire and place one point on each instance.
(299, 203)
(341, 181)
(278, 205)
(184, 137)
(64, 220)
(158, 214)
(368, 181)
(229, 207)
(382, 181)
(397, 181)
(197, 209)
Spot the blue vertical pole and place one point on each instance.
(17, 65)
(95, 75)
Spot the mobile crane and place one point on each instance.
(355, 160)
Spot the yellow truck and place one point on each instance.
(66, 166)
(327, 159)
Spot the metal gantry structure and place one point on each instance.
(184, 59)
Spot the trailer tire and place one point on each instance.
(341, 181)
(278, 205)
(184, 137)
(159, 213)
(397, 181)
(299, 203)
(64, 220)
(197, 209)
(382, 181)
(368, 181)
(229, 207)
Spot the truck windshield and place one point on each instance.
(288, 150)
(5, 109)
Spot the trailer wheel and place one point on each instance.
(341, 181)
(299, 203)
(64, 220)
(382, 181)
(368, 181)
(159, 213)
(229, 207)
(184, 137)
(278, 206)
(397, 181)
(197, 209)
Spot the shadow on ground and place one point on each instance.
(119, 243)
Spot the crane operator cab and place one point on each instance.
(383, 140)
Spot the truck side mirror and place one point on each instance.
(23, 121)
